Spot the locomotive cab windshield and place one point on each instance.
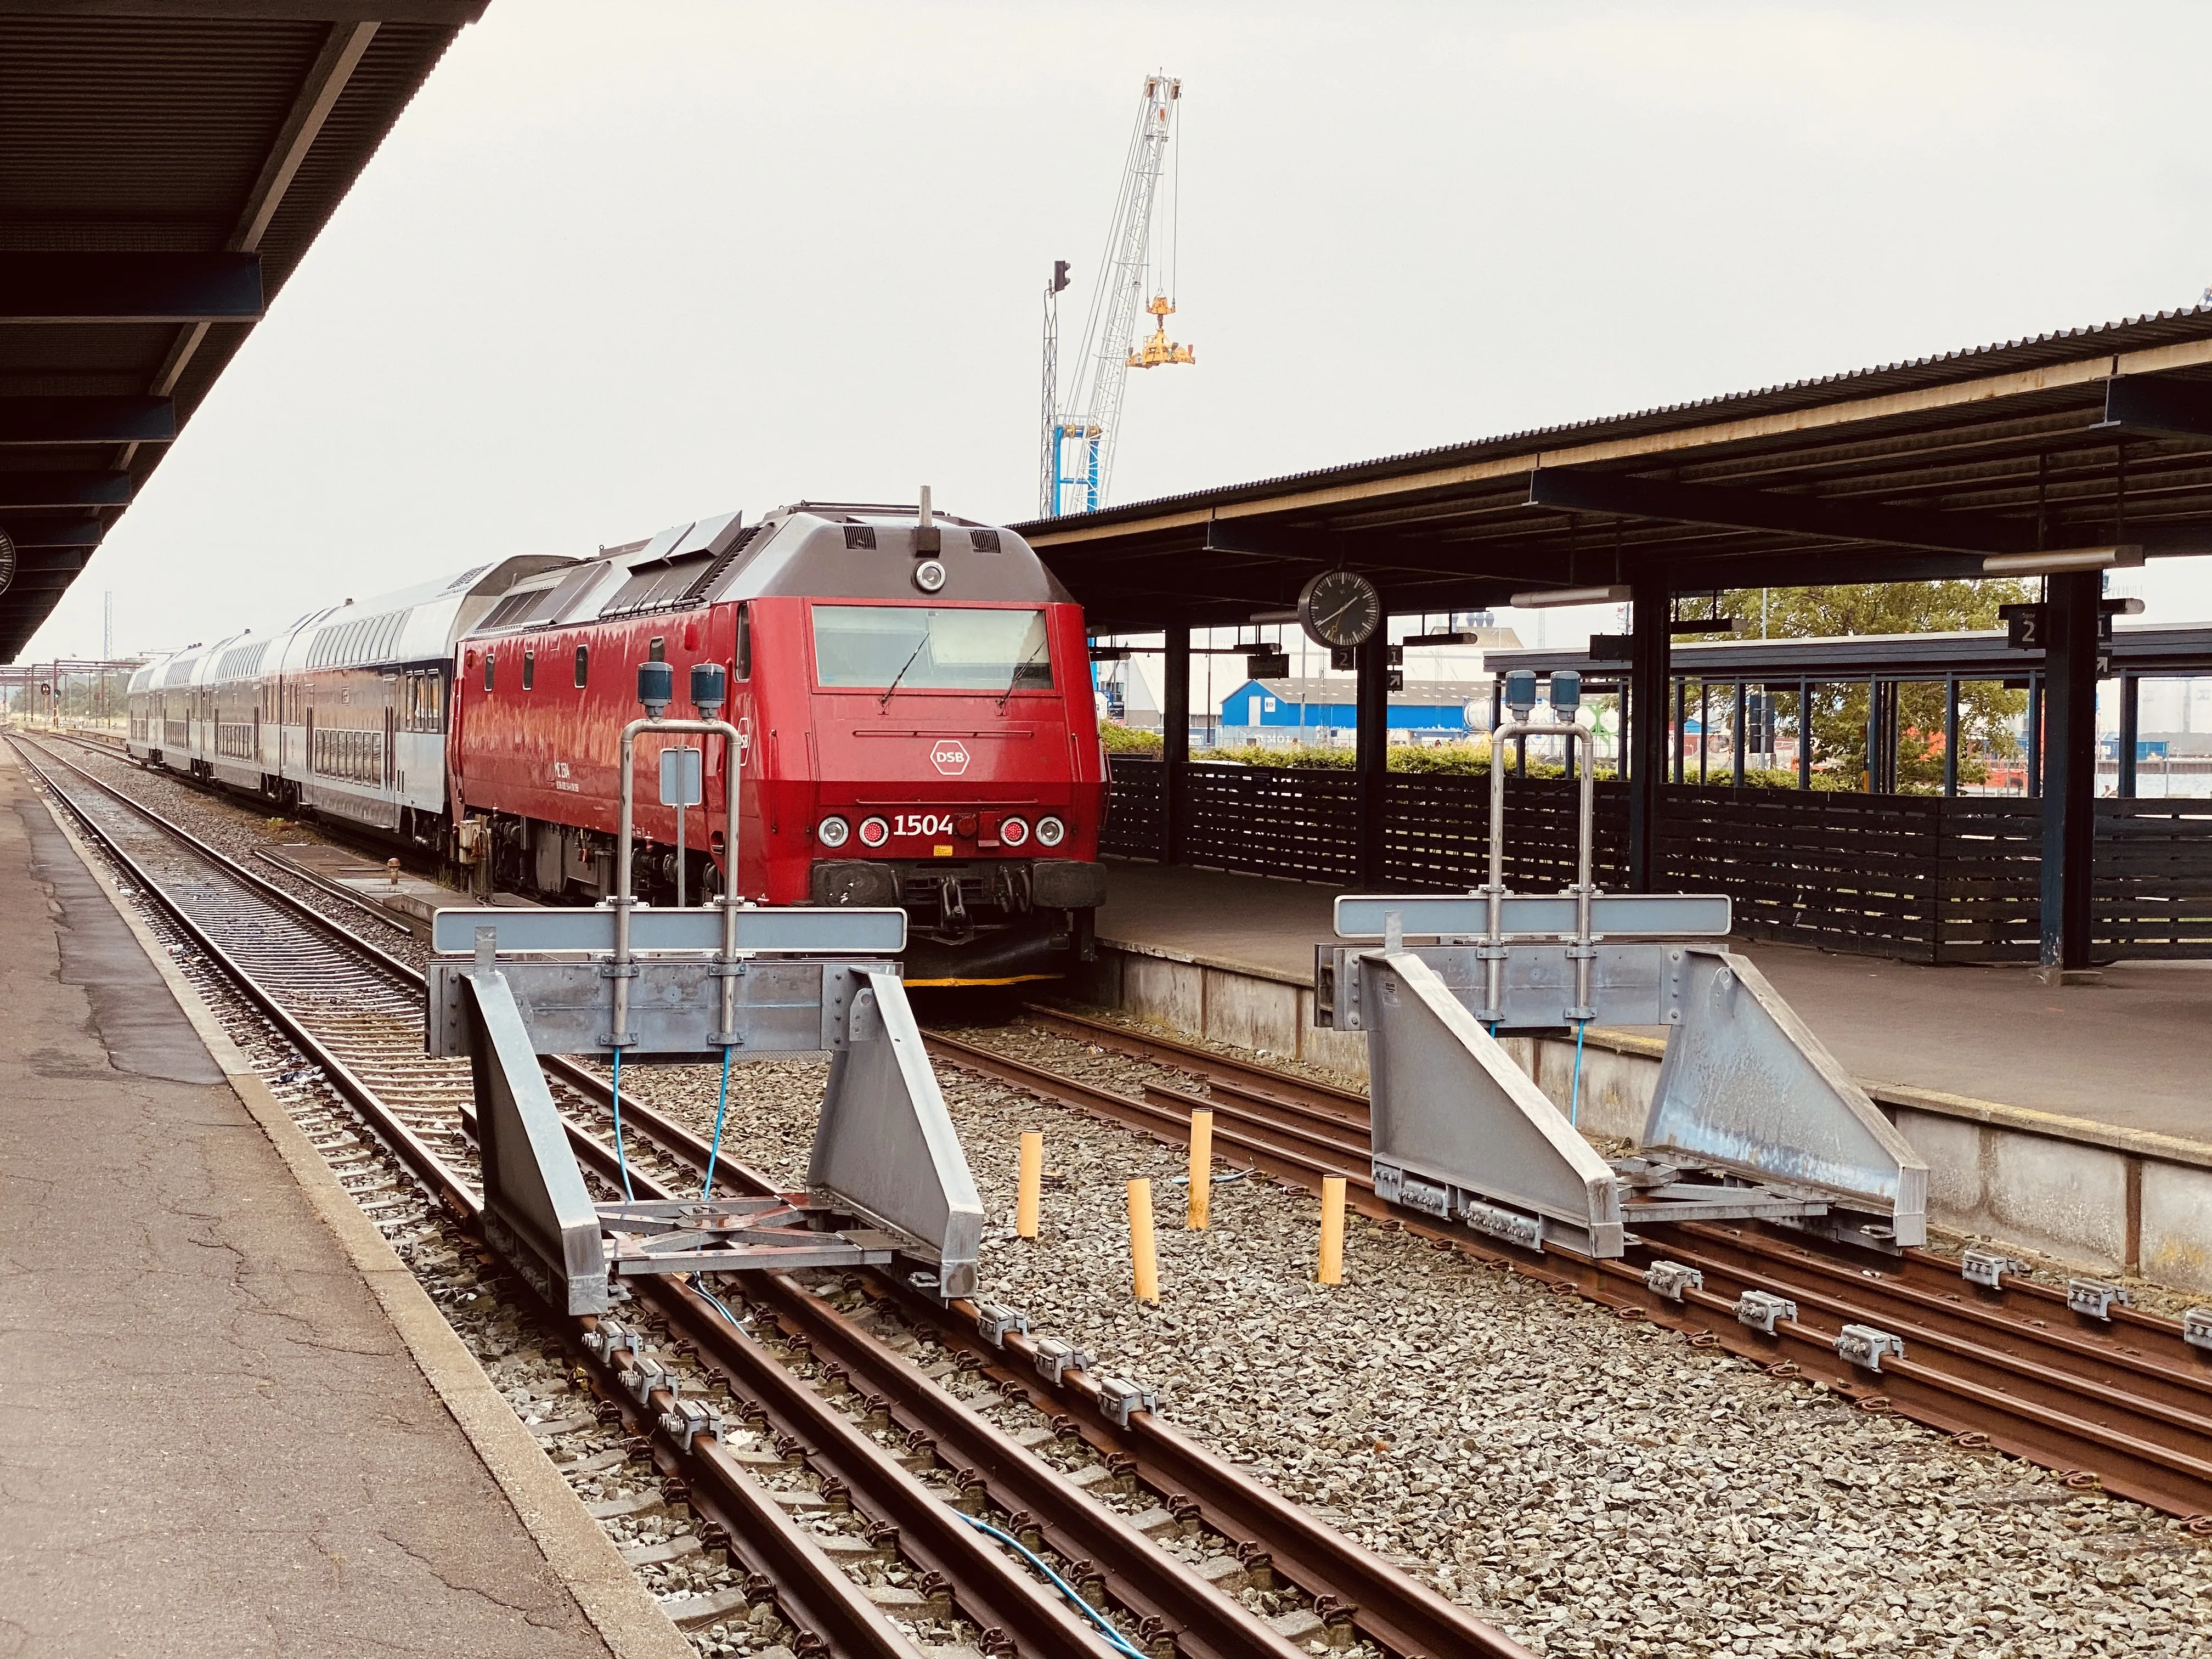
(931, 647)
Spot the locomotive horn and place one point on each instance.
(709, 688)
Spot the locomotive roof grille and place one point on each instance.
(725, 559)
(661, 585)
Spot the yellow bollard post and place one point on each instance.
(1202, 1171)
(1026, 1202)
(1331, 1229)
(1143, 1255)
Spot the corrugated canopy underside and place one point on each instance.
(179, 151)
(1913, 470)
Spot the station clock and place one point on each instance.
(1339, 609)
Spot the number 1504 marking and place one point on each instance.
(923, 823)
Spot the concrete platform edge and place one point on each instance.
(626, 1617)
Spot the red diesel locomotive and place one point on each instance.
(915, 694)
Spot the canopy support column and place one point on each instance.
(1371, 754)
(2130, 732)
(1649, 640)
(2070, 772)
(1950, 734)
(1175, 743)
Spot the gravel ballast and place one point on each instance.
(1594, 1488)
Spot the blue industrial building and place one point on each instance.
(1435, 709)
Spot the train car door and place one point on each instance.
(390, 745)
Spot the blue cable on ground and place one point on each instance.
(1575, 1099)
(721, 1107)
(621, 1162)
(1120, 1643)
(699, 1283)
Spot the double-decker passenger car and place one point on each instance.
(342, 713)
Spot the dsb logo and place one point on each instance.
(949, 756)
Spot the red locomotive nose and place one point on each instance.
(965, 824)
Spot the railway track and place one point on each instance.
(2122, 1402)
(874, 1433)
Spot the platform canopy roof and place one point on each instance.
(164, 166)
(2093, 437)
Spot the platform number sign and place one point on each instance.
(2025, 626)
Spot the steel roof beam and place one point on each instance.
(65, 489)
(130, 287)
(50, 421)
(54, 533)
(1624, 496)
(2159, 404)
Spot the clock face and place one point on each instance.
(1341, 608)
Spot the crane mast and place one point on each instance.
(1079, 435)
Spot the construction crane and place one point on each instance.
(1077, 458)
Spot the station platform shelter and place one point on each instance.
(2061, 458)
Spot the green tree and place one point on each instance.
(1986, 709)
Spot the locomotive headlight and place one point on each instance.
(832, 831)
(1050, 832)
(874, 832)
(1013, 832)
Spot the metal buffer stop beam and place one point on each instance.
(886, 1180)
(1750, 1116)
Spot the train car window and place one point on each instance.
(529, 667)
(583, 664)
(745, 664)
(929, 648)
(657, 650)
(490, 659)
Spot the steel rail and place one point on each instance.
(813, 1591)
(402, 1139)
(1037, 1621)
(2150, 1442)
(1379, 1600)
(1162, 1592)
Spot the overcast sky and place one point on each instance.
(624, 266)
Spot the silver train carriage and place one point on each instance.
(342, 713)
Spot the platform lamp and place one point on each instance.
(656, 688)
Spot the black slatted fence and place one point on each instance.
(1918, 877)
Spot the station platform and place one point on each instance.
(225, 1428)
(2132, 1052)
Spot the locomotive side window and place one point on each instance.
(932, 648)
(489, 661)
(529, 667)
(744, 642)
(583, 664)
(657, 650)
